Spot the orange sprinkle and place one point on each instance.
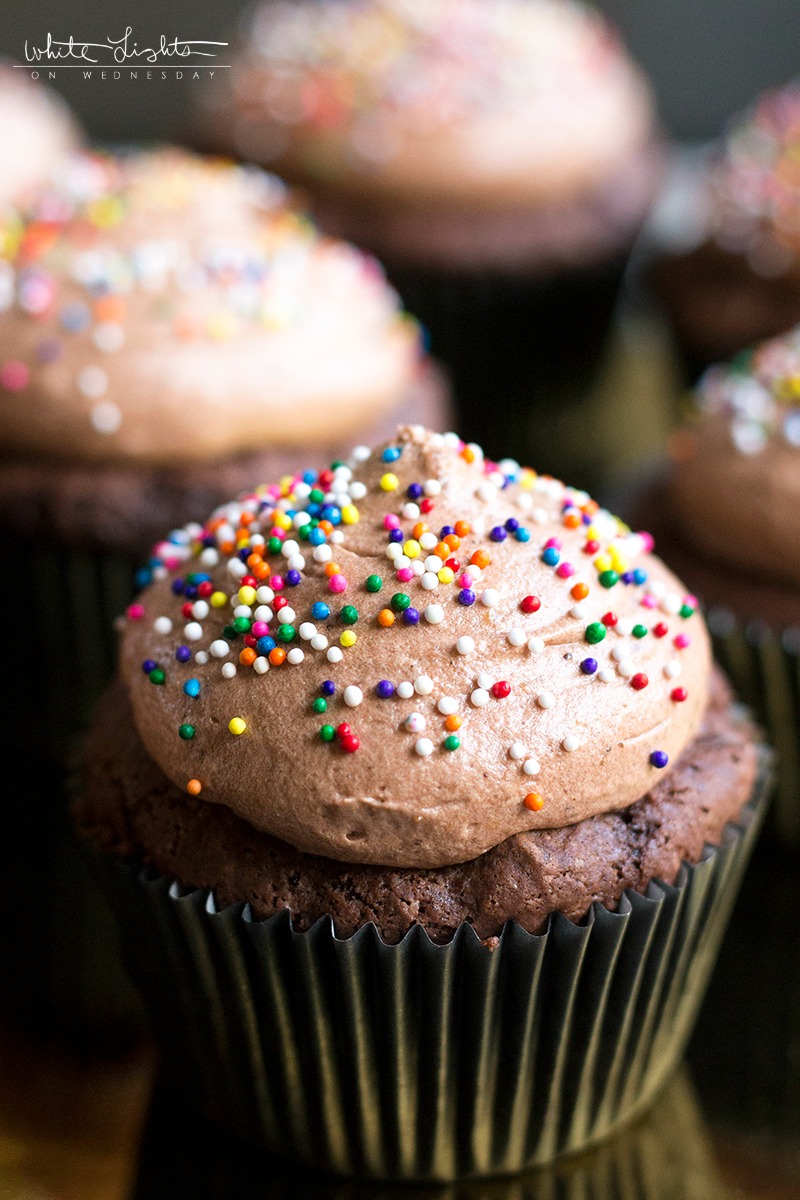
(109, 308)
(442, 550)
(331, 568)
(386, 617)
(194, 787)
(261, 571)
(248, 656)
(277, 656)
(419, 529)
(226, 547)
(462, 528)
(579, 591)
(534, 801)
(326, 527)
(452, 723)
(468, 454)
(452, 541)
(572, 520)
(480, 559)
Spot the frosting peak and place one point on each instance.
(413, 656)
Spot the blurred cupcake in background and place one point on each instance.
(38, 130)
(724, 515)
(171, 327)
(499, 156)
(724, 265)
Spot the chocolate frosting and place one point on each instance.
(558, 680)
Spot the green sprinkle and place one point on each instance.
(595, 632)
(349, 614)
(242, 624)
(286, 633)
(316, 496)
(687, 611)
(452, 742)
(639, 631)
(157, 675)
(327, 733)
(319, 705)
(608, 579)
(400, 601)
(274, 545)
(186, 732)
(230, 633)
(374, 583)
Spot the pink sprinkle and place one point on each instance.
(564, 570)
(135, 612)
(648, 601)
(276, 583)
(390, 521)
(552, 544)
(692, 601)
(14, 375)
(465, 580)
(337, 583)
(280, 534)
(259, 629)
(405, 574)
(648, 541)
(171, 563)
(682, 641)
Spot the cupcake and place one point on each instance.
(39, 130)
(498, 156)
(171, 327)
(723, 263)
(722, 510)
(421, 854)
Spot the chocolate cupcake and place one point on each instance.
(172, 327)
(724, 265)
(499, 156)
(38, 131)
(420, 853)
(722, 510)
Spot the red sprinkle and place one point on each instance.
(679, 694)
(530, 604)
(279, 602)
(186, 610)
(610, 619)
(343, 729)
(661, 630)
(426, 505)
(501, 689)
(639, 681)
(682, 641)
(591, 547)
(350, 743)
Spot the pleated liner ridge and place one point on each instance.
(424, 1061)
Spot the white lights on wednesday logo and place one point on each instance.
(123, 57)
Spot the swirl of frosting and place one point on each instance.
(505, 103)
(160, 306)
(735, 484)
(413, 656)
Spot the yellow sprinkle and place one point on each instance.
(282, 521)
(412, 548)
(218, 599)
(237, 725)
(389, 482)
(348, 638)
(247, 594)
(445, 575)
(350, 514)
(603, 562)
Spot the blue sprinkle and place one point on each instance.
(550, 556)
(192, 687)
(391, 454)
(316, 537)
(320, 611)
(639, 576)
(522, 534)
(265, 644)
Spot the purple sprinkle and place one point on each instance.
(183, 654)
(498, 534)
(414, 491)
(512, 524)
(466, 596)
(385, 689)
(411, 616)
(292, 577)
(178, 586)
(396, 535)
(149, 665)
(328, 687)
(589, 666)
(445, 531)
(659, 758)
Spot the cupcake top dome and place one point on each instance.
(753, 187)
(502, 101)
(38, 130)
(160, 306)
(735, 478)
(414, 655)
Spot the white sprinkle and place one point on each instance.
(465, 645)
(490, 597)
(335, 655)
(228, 670)
(625, 627)
(358, 490)
(536, 645)
(393, 551)
(93, 381)
(209, 557)
(545, 699)
(671, 604)
(434, 614)
(579, 611)
(432, 487)
(108, 336)
(626, 668)
(106, 417)
(296, 562)
(433, 563)
(295, 656)
(525, 502)
(287, 615)
(337, 537)
(265, 595)
(319, 642)
(424, 747)
(605, 675)
(484, 680)
(290, 547)
(487, 491)
(415, 722)
(405, 690)
(322, 553)
(241, 610)
(571, 742)
(193, 632)
(429, 581)
(619, 653)
(353, 696)
(473, 570)
(531, 766)
(201, 657)
(162, 625)
(411, 511)
(401, 561)
(307, 630)
(516, 637)
(539, 516)
(360, 453)
(672, 669)
(517, 750)
(423, 685)
(418, 567)
(447, 705)
(428, 540)
(219, 648)
(236, 568)
(479, 697)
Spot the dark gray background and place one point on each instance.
(706, 57)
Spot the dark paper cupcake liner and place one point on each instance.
(764, 666)
(419, 1061)
(665, 1155)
